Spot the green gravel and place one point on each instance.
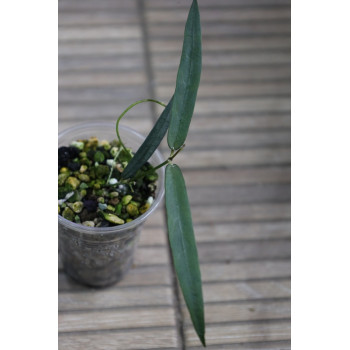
(90, 189)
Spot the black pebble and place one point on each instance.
(63, 156)
(74, 166)
(90, 205)
(74, 152)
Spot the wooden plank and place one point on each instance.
(116, 319)
(151, 256)
(115, 47)
(156, 4)
(113, 298)
(100, 62)
(216, 232)
(213, 177)
(156, 16)
(207, 214)
(241, 333)
(244, 251)
(222, 44)
(202, 126)
(153, 236)
(214, 107)
(221, 232)
(99, 33)
(81, 98)
(239, 194)
(244, 212)
(147, 276)
(243, 105)
(217, 158)
(157, 218)
(221, 123)
(142, 126)
(229, 29)
(224, 14)
(240, 291)
(96, 79)
(161, 46)
(126, 340)
(97, 18)
(243, 312)
(223, 59)
(98, 94)
(211, 273)
(240, 139)
(100, 111)
(221, 272)
(265, 345)
(93, 5)
(221, 74)
(232, 90)
(164, 93)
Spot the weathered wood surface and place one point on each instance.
(236, 164)
(126, 339)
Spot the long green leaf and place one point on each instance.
(150, 144)
(187, 81)
(183, 246)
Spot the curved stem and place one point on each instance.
(126, 110)
(167, 161)
(173, 155)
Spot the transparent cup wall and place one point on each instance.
(101, 256)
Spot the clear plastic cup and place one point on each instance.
(100, 256)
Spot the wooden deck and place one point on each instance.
(236, 164)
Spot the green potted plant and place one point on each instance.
(106, 191)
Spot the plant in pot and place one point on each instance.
(106, 191)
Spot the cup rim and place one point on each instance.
(131, 224)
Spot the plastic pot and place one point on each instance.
(101, 256)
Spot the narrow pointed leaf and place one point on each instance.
(187, 81)
(183, 246)
(150, 144)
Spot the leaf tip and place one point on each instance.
(201, 337)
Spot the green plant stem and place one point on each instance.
(173, 155)
(126, 110)
(166, 162)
